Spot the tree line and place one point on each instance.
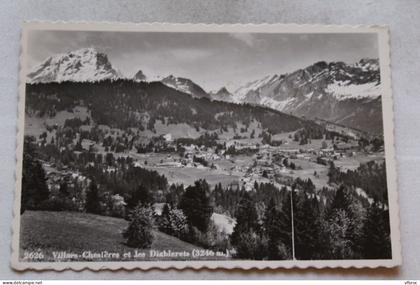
(123, 103)
(328, 224)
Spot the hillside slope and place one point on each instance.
(80, 232)
(185, 85)
(126, 104)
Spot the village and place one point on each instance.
(233, 161)
(243, 161)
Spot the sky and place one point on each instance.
(212, 60)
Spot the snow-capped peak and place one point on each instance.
(139, 76)
(222, 95)
(325, 90)
(223, 90)
(368, 64)
(86, 64)
(338, 79)
(184, 85)
(345, 90)
(241, 92)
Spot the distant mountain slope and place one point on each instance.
(338, 92)
(245, 92)
(139, 76)
(185, 85)
(125, 103)
(222, 95)
(85, 64)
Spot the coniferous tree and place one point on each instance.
(341, 228)
(34, 186)
(64, 189)
(78, 146)
(341, 200)
(164, 223)
(92, 199)
(307, 229)
(273, 229)
(178, 223)
(139, 233)
(376, 234)
(357, 215)
(252, 245)
(246, 218)
(336, 232)
(256, 187)
(285, 221)
(140, 195)
(333, 173)
(195, 204)
(247, 236)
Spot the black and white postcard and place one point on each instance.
(218, 146)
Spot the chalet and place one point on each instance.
(327, 151)
(168, 137)
(290, 151)
(170, 164)
(342, 146)
(234, 186)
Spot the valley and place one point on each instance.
(167, 165)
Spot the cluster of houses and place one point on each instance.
(55, 178)
(264, 155)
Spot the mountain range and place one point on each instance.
(346, 94)
(80, 66)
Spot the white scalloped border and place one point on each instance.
(388, 120)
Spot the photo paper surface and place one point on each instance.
(218, 146)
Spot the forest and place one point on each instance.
(126, 104)
(327, 223)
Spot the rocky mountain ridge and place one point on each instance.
(83, 65)
(347, 94)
